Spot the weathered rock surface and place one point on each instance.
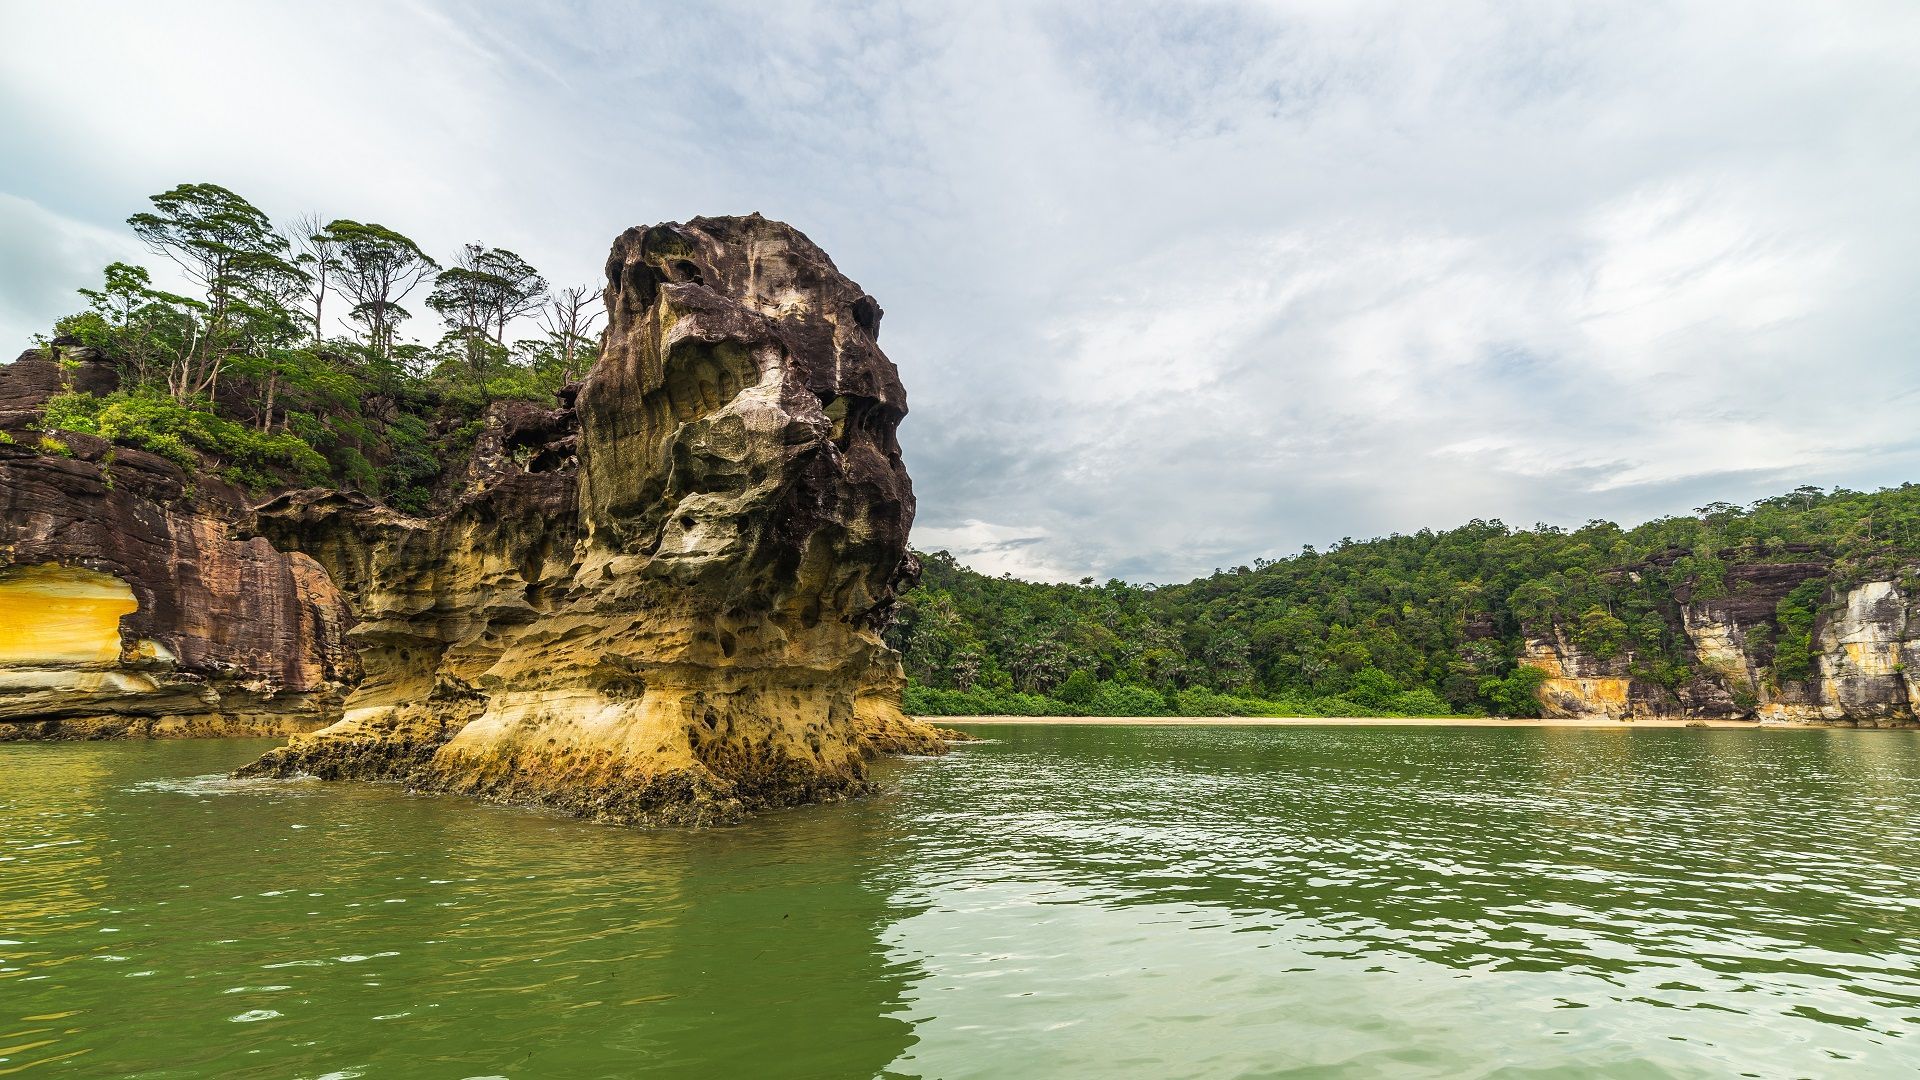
(127, 605)
(1866, 642)
(1867, 654)
(27, 383)
(660, 602)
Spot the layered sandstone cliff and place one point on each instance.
(659, 602)
(1864, 650)
(128, 605)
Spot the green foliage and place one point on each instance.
(929, 701)
(161, 425)
(242, 379)
(1372, 689)
(51, 445)
(1662, 672)
(1517, 694)
(1079, 688)
(1115, 699)
(1599, 633)
(242, 266)
(1793, 649)
(478, 298)
(1418, 702)
(378, 268)
(1426, 623)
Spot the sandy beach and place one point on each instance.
(1365, 721)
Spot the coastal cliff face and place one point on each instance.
(659, 603)
(1864, 645)
(128, 604)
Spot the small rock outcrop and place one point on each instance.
(128, 604)
(660, 602)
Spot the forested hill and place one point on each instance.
(1424, 623)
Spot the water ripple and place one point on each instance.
(1057, 902)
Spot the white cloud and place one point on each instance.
(997, 549)
(44, 258)
(1171, 286)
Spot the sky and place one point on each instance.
(1171, 286)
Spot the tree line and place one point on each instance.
(243, 368)
(1426, 623)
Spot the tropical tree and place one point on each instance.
(568, 319)
(379, 267)
(148, 331)
(317, 253)
(229, 249)
(481, 294)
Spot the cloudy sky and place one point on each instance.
(1171, 286)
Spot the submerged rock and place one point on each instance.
(661, 602)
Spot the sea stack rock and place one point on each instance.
(659, 603)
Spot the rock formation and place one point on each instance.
(128, 607)
(1866, 642)
(659, 603)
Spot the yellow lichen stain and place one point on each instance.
(1872, 657)
(61, 614)
(1594, 694)
(1608, 691)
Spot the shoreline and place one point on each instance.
(1362, 721)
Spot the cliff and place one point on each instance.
(128, 605)
(1863, 641)
(660, 602)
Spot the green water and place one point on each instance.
(1059, 902)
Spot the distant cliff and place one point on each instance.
(1853, 669)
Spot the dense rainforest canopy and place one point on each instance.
(1426, 623)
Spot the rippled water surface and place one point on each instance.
(1058, 902)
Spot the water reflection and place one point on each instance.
(1718, 901)
(1058, 902)
(305, 929)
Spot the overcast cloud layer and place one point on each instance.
(1171, 287)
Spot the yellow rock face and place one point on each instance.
(61, 615)
(1569, 692)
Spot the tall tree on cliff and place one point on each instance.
(462, 299)
(568, 319)
(518, 288)
(481, 294)
(146, 329)
(228, 248)
(318, 255)
(378, 268)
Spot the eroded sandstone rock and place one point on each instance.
(129, 606)
(661, 604)
(1866, 645)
